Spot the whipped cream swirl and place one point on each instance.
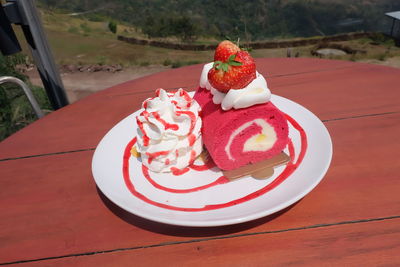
(169, 131)
(254, 93)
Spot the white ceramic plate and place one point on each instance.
(171, 199)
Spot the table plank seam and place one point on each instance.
(48, 154)
(361, 116)
(307, 72)
(315, 226)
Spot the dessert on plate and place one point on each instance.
(169, 131)
(241, 125)
(231, 113)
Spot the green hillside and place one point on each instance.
(79, 41)
(251, 20)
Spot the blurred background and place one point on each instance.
(100, 43)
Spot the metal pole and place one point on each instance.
(41, 53)
(391, 31)
(8, 41)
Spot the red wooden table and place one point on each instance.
(51, 212)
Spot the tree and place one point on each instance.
(185, 29)
(112, 25)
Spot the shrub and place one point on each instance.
(192, 62)
(85, 27)
(95, 17)
(167, 62)
(176, 64)
(15, 109)
(73, 29)
(112, 26)
(101, 60)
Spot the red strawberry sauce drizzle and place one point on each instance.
(290, 168)
(192, 139)
(175, 171)
(146, 174)
(145, 114)
(192, 157)
(191, 116)
(167, 125)
(158, 90)
(156, 154)
(187, 98)
(157, 116)
(206, 166)
(146, 139)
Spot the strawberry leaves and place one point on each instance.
(219, 65)
(233, 62)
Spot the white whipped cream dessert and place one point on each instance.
(169, 131)
(254, 93)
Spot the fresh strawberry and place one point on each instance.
(224, 50)
(236, 73)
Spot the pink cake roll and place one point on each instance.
(241, 136)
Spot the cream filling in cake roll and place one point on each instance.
(259, 142)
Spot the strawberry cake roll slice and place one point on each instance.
(241, 136)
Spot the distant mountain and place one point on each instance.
(251, 20)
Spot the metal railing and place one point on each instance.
(32, 100)
(25, 14)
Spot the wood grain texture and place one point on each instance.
(323, 86)
(344, 92)
(360, 244)
(50, 207)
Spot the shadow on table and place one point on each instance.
(185, 231)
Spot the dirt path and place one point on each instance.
(81, 84)
(391, 62)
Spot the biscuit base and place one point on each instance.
(260, 170)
